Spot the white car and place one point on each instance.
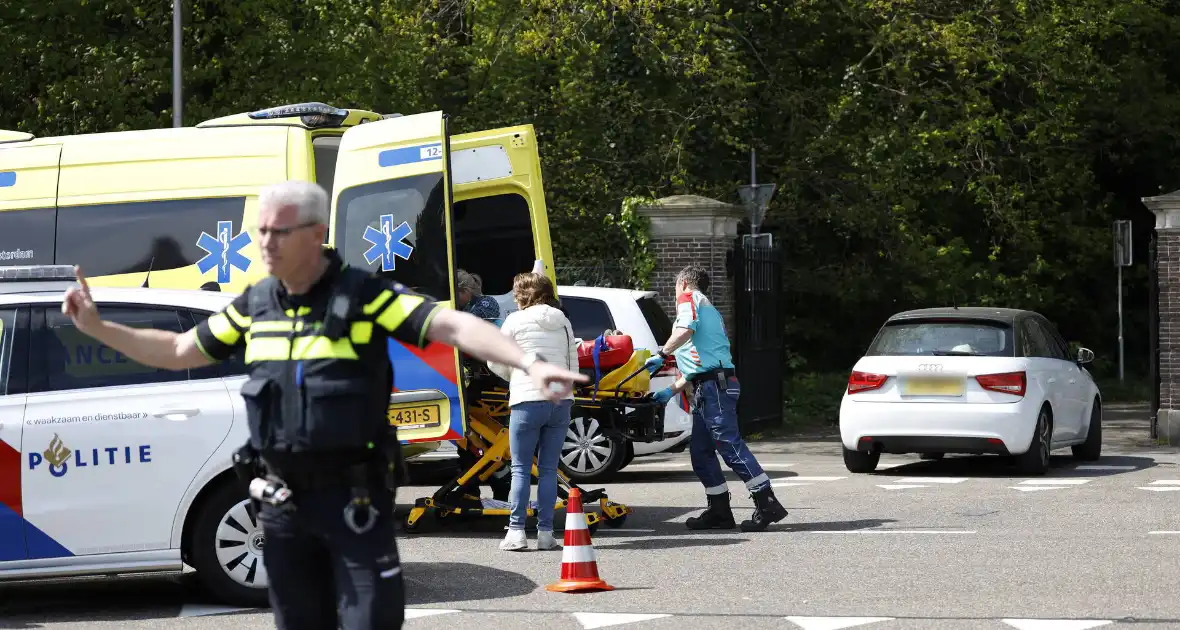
(108, 466)
(970, 380)
(588, 454)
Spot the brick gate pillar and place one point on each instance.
(687, 229)
(1167, 229)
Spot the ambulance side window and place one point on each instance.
(74, 360)
(26, 236)
(156, 235)
(494, 239)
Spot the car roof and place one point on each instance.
(986, 313)
(601, 292)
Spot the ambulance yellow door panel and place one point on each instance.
(28, 196)
(501, 225)
(171, 201)
(391, 214)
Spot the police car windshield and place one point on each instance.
(396, 228)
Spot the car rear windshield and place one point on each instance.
(944, 338)
(657, 319)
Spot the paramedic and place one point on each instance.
(701, 348)
(314, 334)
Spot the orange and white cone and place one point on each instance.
(579, 566)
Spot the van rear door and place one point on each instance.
(500, 222)
(391, 213)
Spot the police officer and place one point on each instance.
(314, 336)
(701, 348)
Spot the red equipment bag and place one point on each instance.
(614, 351)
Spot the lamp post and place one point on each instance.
(177, 105)
(1122, 258)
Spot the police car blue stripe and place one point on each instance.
(40, 545)
(12, 535)
(7, 179)
(409, 155)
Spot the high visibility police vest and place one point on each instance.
(320, 374)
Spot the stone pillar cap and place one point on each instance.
(692, 216)
(1166, 209)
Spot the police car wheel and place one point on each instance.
(590, 454)
(227, 547)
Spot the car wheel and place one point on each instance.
(589, 454)
(227, 549)
(1091, 449)
(860, 461)
(1035, 461)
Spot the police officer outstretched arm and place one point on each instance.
(321, 461)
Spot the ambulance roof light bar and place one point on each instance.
(310, 114)
(37, 273)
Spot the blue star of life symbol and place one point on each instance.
(224, 251)
(388, 242)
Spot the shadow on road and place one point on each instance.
(1060, 466)
(441, 582)
(34, 604)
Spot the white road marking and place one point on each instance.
(1158, 488)
(1035, 488)
(834, 623)
(1055, 624)
(892, 531)
(798, 478)
(1055, 482)
(1164, 532)
(788, 484)
(1166, 482)
(932, 480)
(1104, 467)
(201, 610)
(602, 620)
(900, 486)
(415, 613)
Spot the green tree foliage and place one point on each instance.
(926, 151)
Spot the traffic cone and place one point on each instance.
(579, 566)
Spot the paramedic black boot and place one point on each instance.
(767, 510)
(717, 516)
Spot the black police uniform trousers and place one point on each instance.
(322, 574)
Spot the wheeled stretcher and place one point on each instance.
(619, 399)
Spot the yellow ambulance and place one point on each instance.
(170, 208)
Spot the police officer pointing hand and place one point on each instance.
(314, 337)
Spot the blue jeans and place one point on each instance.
(532, 424)
(715, 430)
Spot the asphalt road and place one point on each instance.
(958, 543)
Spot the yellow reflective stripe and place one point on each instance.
(378, 302)
(267, 349)
(273, 326)
(361, 332)
(322, 348)
(241, 320)
(224, 331)
(397, 312)
(303, 310)
(196, 340)
(426, 326)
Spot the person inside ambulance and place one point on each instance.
(470, 298)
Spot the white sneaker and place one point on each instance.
(545, 541)
(514, 541)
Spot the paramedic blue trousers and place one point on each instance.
(320, 571)
(715, 431)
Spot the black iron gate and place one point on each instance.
(757, 271)
(1153, 338)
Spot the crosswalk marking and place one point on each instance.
(932, 480)
(1054, 482)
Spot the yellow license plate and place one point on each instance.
(932, 387)
(415, 417)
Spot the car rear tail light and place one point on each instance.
(669, 368)
(1007, 383)
(865, 381)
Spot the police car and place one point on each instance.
(108, 466)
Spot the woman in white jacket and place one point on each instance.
(538, 327)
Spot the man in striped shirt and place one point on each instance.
(701, 348)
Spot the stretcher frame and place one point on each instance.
(633, 413)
